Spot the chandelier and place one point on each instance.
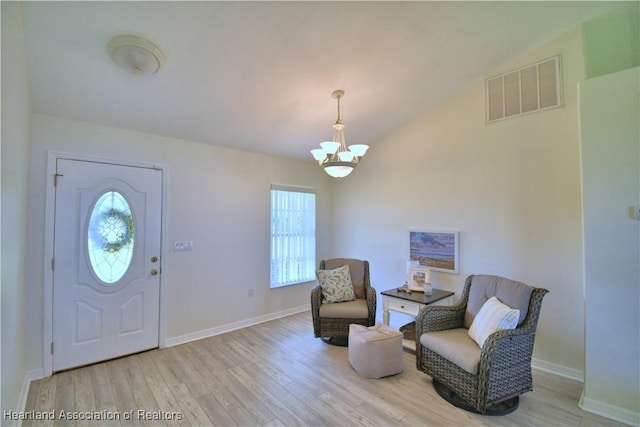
(337, 160)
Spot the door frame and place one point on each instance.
(52, 158)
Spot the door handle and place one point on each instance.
(154, 272)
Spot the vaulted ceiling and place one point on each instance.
(258, 76)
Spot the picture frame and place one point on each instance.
(418, 277)
(436, 250)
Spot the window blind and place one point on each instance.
(293, 235)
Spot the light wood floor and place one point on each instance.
(276, 374)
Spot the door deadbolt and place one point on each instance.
(154, 259)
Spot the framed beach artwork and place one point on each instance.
(435, 250)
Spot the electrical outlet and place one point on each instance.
(183, 246)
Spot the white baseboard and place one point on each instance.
(205, 333)
(563, 371)
(593, 406)
(33, 375)
(609, 411)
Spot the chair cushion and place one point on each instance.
(336, 285)
(493, 316)
(456, 346)
(514, 294)
(356, 267)
(356, 309)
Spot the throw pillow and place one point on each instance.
(336, 285)
(493, 316)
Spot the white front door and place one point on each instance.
(106, 267)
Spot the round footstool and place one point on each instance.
(375, 352)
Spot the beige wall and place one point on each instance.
(511, 188)
(610, 134)
(218, 198)
(16, 128)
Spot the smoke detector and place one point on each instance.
(135, 54)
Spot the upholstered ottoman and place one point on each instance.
(376, 351)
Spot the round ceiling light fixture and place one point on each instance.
(135, 54)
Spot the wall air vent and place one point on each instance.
(526, 90)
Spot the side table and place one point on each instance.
(410, 303)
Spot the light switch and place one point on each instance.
(183, 246)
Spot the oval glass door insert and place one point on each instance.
(110, 237)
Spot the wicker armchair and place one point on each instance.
(331, 321)
(495, 375)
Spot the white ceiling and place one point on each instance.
(258, 76)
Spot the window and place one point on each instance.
(293, 235)
(110, 237)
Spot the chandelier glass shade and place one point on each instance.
(334, 156)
